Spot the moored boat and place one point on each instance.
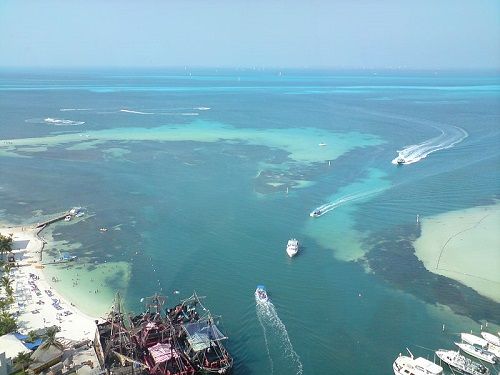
(292, 247)
(404, 365)
(495, 340)
(201, 340)
(474, 340)
(261, 294)
(458, 362)
(477, 352)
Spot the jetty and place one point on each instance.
(53, 220)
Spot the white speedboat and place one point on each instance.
(400, 160)
(316, 213)
(404, 365)
(495, 340)
(460, 363)
(261, 294)
(477, 352)
(292, 247)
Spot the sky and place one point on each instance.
(417, 34)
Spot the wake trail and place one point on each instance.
(449, 137)
(266, 341)
(268, 317)
(327, 207)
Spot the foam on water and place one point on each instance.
(54, 121)
(272, 324)
(449, 137)
(136, 112)
(327, 207)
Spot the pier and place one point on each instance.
(53, 220)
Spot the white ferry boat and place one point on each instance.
(404, 365)
(292, 247)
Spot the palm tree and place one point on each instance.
(7, 323)
(5, 244)
(7, 284)
(50, 336)
(23, 360)
(32, 336)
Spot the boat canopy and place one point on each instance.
(200, 334)
(162, 352)
(429, 366)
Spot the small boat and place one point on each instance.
(460, 363)
(400, 160)
(473, 340)
(103, 229)
(292, 247)
(322, 144)
(477, 352)
(261, 294)
(404, 365)
(67, 218)
(495, 340)
(316, 213)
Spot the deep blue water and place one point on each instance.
(193, 215)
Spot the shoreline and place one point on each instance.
(37, 304)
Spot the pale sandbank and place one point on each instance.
(465, 246)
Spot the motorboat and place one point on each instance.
(400, 160)
(404, 365)
(261, 294)
(67, 218)
(477, 352)
(491, 338)
(103, 229)
(458, 362)
(292, 247)
(316, 213)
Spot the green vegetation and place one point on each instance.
(23, 360)
(5, 245)
(7, 321)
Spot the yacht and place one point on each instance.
(474, 340)
(477, 352)
(292, 247)
(404, 365)
(458, 362)
(495, 340)
(261, 294)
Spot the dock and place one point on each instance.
(53, 220)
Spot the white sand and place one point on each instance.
(37, 311)
(464, 246)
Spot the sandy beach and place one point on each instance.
(463, 245)
(37, 304)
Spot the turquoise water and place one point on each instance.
(189, 174)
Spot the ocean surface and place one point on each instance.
(201, 177)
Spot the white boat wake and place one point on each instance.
(272, 324)
(449, 137)
(327, 207)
